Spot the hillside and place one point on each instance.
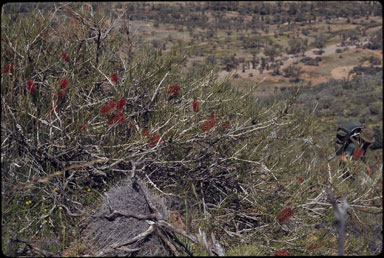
(123, 135)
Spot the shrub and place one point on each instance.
(375, 108)
(236, 159)
(378, 134)
(311, 61)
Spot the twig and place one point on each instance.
(35, 249)
(217, 247)
(171, 246)
(340, 214)
(58, 173)
(116, 213)
(139, 237)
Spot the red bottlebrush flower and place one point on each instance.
(84, 127)
(209, 124)
(282, 253)
(285, 214)
(112, 103)
(61, 93)
(314, 246)
(121, 121)
(114, 77)
(131, 126)
(301, 180)
(145, 132)
(195, 106)
(226, 125)
(63, 83)
(31, 87)
(173, 90)
(108, 107)
(154, 140)
(121, 104)
(9, 68)
(65, 57)
(116, 119)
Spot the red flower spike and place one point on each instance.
(84, 127)
(108, 107)
(116, 119)
(195, 106)
(65, 57)
(61, 93)
(282, 253)
(121, 121)
(121, 104)
(145, 132)
(209, 124)
(114, 77)
(285, 214)
(226, 125)
(301, 180)
(173, 90)
(63, 83)
(154, 140)
(9, 68)
(31, 87)
(314, 246)
(112, 103)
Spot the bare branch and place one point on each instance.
(340, 214)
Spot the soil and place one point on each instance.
(308, 71)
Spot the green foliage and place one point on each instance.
(297, 45)
(311, 61)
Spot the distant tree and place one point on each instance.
(211, 59)
(293, 71)
(296, 45)
(263, 63)
(320, 40)
(376, 40)
(275, 69)
(156, 43)
(272, 51)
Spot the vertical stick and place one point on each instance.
(340, 214)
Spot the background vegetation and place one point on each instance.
(84, 101)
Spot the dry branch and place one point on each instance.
(340, 214)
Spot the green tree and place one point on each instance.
(320, 40)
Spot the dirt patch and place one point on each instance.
(341, 72)
(378, 53)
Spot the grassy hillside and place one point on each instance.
(85, 104)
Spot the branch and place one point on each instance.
(138, 237)
(116, 213)
(340, 214)
(170, 245)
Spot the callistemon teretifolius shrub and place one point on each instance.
(84, 103)
(80, 101)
